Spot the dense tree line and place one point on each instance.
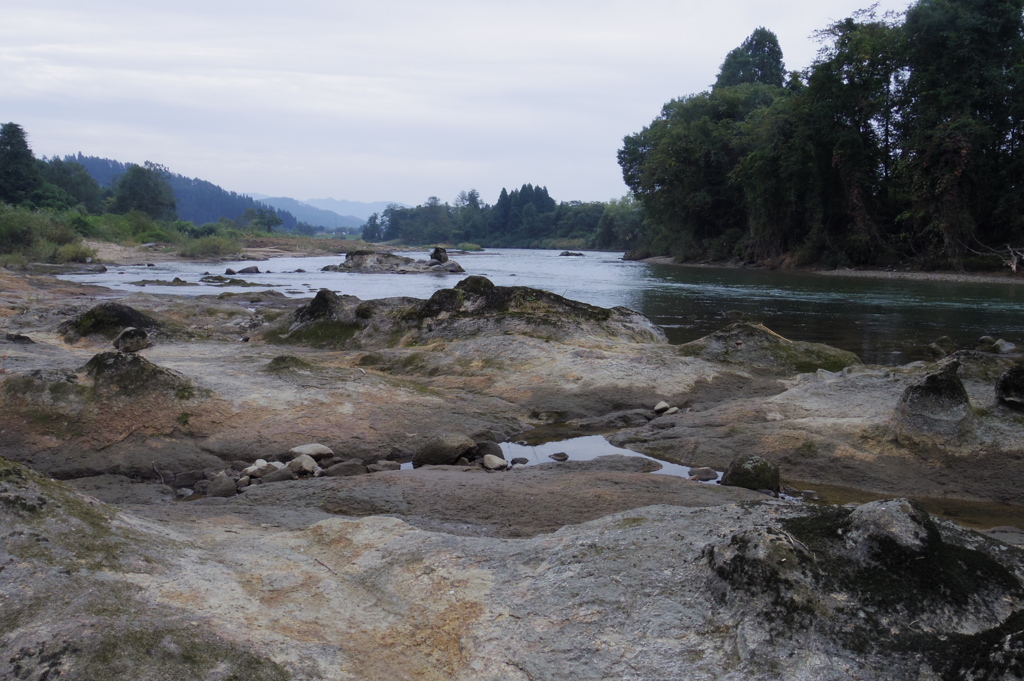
(901, 142)
(526, 217)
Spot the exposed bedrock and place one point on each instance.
(713, 583)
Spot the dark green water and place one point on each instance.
(882, 321)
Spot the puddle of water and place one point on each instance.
(977, 515)
(581, 449)
(536, 446)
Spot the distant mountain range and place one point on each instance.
(200, 201)
(312, 215)
(358, 208)
(361, 210)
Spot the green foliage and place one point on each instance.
(18, 174)
(74, 182)
(40, 236)
(526, 218)
(900, 142)
(757, 60)
(210, 247)
(145, 189)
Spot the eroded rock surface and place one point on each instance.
(272, 587)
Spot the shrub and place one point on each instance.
(73, 253)
(209, 247)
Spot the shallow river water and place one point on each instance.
(882, 321)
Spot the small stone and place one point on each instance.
(672, 410)
(809, 495)
(304, 464)
(230, 272)
(522, 460)
(188, 479)
(258, 469)
(384, 466)
(244, 481)
(252, 269)
(559, 456)
(221, 486)
(494, 463)
(279, 475)
(346, 468)
(315, 450)
(132, 339)
(703, 474)
(662, 407)
(461, 461)
(443, 450)
(487, 447)
(1003, 347)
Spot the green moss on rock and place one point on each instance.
(107, 320)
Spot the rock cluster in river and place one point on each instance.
(380, 262)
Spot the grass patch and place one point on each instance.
(324, 333)
(210, 247)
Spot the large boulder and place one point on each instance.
(107, 320)
(883, 526)
(752, 472)
(933, 411)
(443, 450)
(326, 304)
(439, 254)
(757, 347)
(128, 373)
(1010, 388)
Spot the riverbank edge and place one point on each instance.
(951, 277)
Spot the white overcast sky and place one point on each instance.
(389, 100)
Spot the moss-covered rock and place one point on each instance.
(107, 320)
(752, 472)
(128, 374)
(756, 347)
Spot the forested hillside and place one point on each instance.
(902, 142)
(198, 201)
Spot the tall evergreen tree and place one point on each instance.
(18, 174)
(758, 59)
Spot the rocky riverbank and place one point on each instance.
(586, 569)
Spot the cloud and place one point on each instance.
(395, 100)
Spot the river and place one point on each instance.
(883, 321)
